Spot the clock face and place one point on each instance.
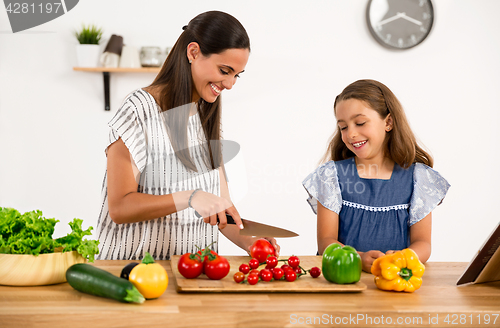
(400, 24)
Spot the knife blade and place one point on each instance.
(252, 228)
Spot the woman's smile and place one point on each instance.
(215, 89)
(224, 68)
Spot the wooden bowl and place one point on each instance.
(30, 270)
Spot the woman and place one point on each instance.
(164, 160)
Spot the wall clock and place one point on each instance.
(400, 24)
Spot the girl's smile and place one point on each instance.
(358, 145)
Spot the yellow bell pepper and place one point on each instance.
(400, 271)
(149, 278)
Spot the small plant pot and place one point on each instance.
(87, 55)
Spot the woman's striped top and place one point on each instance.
(139, 123)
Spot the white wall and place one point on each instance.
(53, 128)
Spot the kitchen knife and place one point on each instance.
(257, 229)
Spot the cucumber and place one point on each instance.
(89, 279)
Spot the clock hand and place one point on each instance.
(390, 19)
(413, 20)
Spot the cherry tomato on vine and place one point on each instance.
(260, 250)
(265, 275)
(290, 275)
(278, 273)
(315, 272)
(239, 277)
(272, 261)
(297, 270)
(285, 267)
(254, 271)
(293, 261)
(254, 263)
(245, 268)
(253, 279)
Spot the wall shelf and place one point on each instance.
(105, 73)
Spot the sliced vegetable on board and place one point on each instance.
(89, 279)
(399, 271)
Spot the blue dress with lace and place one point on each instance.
(375, 214)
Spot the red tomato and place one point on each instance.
(293, 261)
(255, 271)
(278, 273)
(315, 272)
(190, 266)
(239, 277)
(253, 279)
(272, 262)
(297, 270)
(285, 267)
(260, 249)
(254, 263)
(245, 268)
(266, 275)
(217, 268)
(290, 275)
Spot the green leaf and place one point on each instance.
(74, 241)
(89, 35)
(88, 249)
(148, 259)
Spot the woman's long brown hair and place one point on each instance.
(214, 31)
(402, 146)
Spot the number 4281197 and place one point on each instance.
(462, 319)
(25, 8)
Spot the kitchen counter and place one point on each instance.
(438, 303)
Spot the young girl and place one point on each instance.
(378, 189)
(164, 190)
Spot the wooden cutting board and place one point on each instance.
(304, 284)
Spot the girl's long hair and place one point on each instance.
(402, 146)
(215, 32)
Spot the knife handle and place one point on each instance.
(230, 219)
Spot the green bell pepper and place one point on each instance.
(341, 265)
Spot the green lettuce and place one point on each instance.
(74, 241)
(31, 233)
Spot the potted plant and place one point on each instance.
(87, 50)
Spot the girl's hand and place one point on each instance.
(269, 239)
(275, 245)
(211, 207)
(367, 259)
